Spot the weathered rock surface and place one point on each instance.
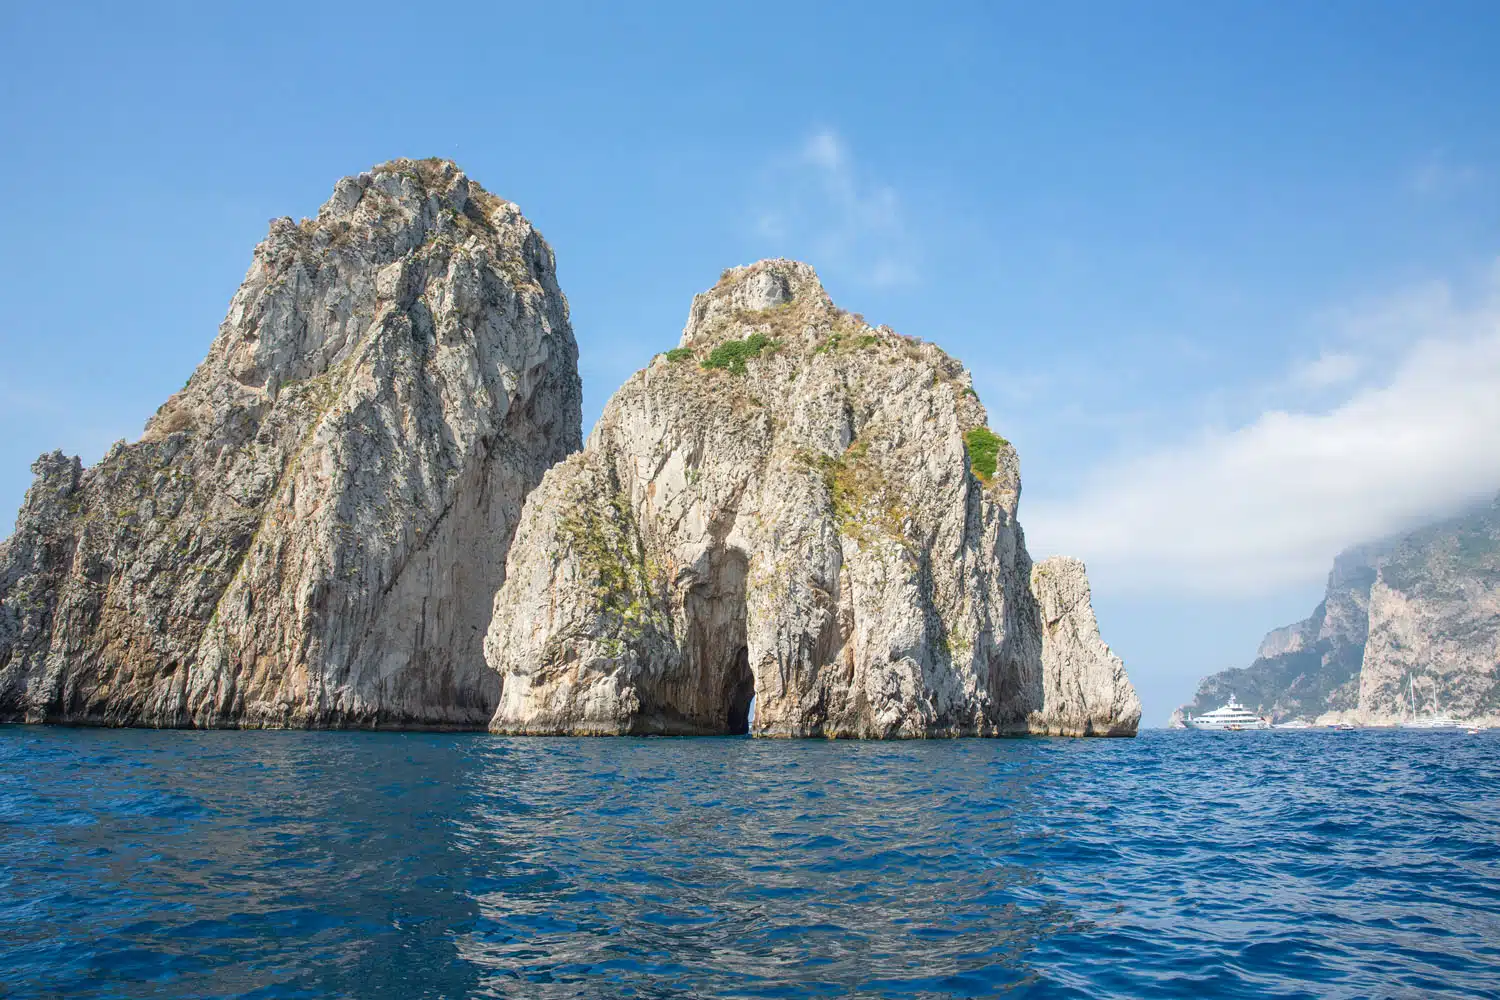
(1084, 688)
(798, 507)
(1434, 624)
(1421, 612)
(310, 533)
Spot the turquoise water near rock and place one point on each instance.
(265, 864)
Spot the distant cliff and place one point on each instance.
(1420, 612)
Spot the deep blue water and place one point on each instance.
(139, 863)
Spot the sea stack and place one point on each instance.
(798, 507)
(311, 532)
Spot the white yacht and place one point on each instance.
(1232, 716)
(1438, 720)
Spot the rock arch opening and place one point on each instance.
(739, 694)
(713, 687)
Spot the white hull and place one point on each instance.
(1435, 722)
(1233, 717)
(1222, 727)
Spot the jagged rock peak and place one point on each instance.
(310, 532)
(796, 506)
(750, 293)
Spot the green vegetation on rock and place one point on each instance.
(860, 496)
(732, 355)
(677, 354)
(607, 543)
(984, 450)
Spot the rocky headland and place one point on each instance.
(311, 532)
(795, 506)
(1417, 614)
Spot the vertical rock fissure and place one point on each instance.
(739, 691)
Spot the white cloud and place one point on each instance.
(1415, 433)
(818, 205)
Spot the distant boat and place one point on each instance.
(1434, 722)
(1232, 717)
(1294, 724)
(1438, 720)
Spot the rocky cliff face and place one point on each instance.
(310, 532)
(1420, 611)
(1434, 624)
(797, 507)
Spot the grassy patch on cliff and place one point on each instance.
(677, 354)
(840, 339)
(984, 446)
(732, 355)
(861, 498)
(606, 540)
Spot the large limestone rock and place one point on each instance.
(310, 533)
(819, 519)
(1418, 614)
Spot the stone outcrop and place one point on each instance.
(1419, 613)
(1084, 688)
(311, 532)
(799, 508)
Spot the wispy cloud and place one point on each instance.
(1327, 370)
(819, 204)
(1408, 428)
(1438, 175)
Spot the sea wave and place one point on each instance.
(1292, 864)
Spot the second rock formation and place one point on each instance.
(799, 508)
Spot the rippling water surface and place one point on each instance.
(138, 863)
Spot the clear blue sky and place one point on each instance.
(1225, 273)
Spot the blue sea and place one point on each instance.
(262, 864)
